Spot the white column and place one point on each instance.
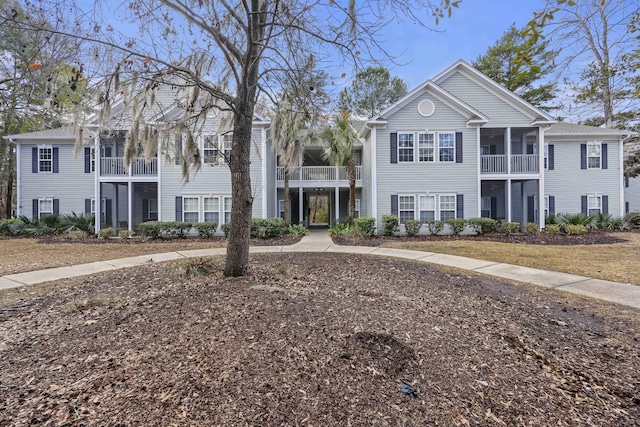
(263, 153)
(621, 183)
(374, 176)
(301, 206)
(130, 205)
(479, 176)
(96, 191)
(508, 200)
(541, 198)
(337, 198)
(115, 206)
(508, 151)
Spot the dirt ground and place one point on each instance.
(314, 340)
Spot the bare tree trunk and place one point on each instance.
(351, 171)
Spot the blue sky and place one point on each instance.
(472, 28)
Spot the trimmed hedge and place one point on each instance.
(483, 225)
(365, 226)
(435, 226)
(168, 229)
(206, 229)
(390, 224)
(509, 227)
(456, 225)
(412, 227)
(226, 228)
(265, 228)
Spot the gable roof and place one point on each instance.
(65, 132)
(537, 115)
(473, 115)
(571, 129)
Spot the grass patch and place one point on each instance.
(616, 262)
(99, 300)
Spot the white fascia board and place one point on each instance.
(497, 89)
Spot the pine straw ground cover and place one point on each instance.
(313, 340)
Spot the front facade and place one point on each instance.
(458, 146)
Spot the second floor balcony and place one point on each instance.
(115, 166)
(498, 164)
(319, 174)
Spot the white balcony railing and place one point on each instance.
(520, 163)
(493, 163)
(114, 166)
(524, 163)
(319, 174)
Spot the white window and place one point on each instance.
(227, 209)
(446, 147)
(406, 208)
(226, 142)
(546, 156)
(152, 209)
(357, 208)
(447, 207)
(593, 155)
(546, 205)
(426, 147)
(594, 204)
(405, 147)
(211, 209)
(93, 206)
(191, 209)
(427, 207)
(485, 209)
(210, 149)
(45, 207)
(45, 158)
(281, 208)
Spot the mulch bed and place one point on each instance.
(315, 340)
(593, 237)
(286, 239)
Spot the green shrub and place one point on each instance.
(150, 229)
(124, 234)
(296, 230)
(412, 227)
(6, 226)
(226, 228)
(552, 228)
(483, 225)
(364, 226)
(602, 221)
(456, 225)
(390, 224)
(575, 229)
(550, 219)
(435, 226)
(105, 233)
(267, 227)
(339, 229)
(574, 219)
(509, 227)
(632, 220)
(75, 222)
(532, 228)
(206, 230)
(172, 229)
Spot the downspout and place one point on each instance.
(374, 176)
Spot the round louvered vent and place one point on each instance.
(426, 108)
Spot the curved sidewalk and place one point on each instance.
(320, 241)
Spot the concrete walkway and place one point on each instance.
(320, 241)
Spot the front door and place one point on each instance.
(318, 209)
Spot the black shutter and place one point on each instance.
(56, 206)
(55, 160)
(626, 181)
(35, 205)
(494, 207)
(178, 208)
(458, 147)
(550, 157)
(583, 156)
(584, 204)
(34, 160)
(87, 159)
(394, 147)
(394, 204)
(87, 206)
(108, 208)
(626, 207)
(531, 209)
(552, 205)
(605, 205)
(460, 206)
(604, 158)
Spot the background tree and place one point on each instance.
(371, 91)
(339, 147)
(225, 54)
(38, 87)
(500, 64)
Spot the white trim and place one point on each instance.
(18, 178)
(263, 162)
(45, 199)
(406, 210)
(96, 185)
(621, 166)
(599, 144)
(374, 174)
(44, 147)
(130, 205)
(541, 182)
(478, 175)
